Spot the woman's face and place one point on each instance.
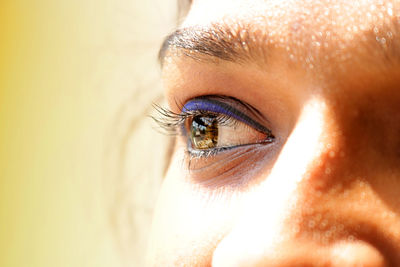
(289, 144)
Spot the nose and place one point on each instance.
(301, 214)
(282, 252)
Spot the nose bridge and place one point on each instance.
(279, 222)
(313, 154)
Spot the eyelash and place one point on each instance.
(173, 123)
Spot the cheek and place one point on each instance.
(189, 221)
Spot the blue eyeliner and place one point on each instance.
(215, 106)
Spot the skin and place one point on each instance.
(325, 192)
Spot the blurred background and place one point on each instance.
(77, 79)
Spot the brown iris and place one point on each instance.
(204, 132)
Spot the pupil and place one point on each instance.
(204, 132)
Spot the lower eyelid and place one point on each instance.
(230, 167)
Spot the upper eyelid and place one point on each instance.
(173, 123)
(210, 104)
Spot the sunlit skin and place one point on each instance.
(326, 75)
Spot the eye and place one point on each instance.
(211, 131)
(224, 139)
(219, 123)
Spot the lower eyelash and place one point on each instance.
(205, 153)
(192, 154)
(173, 124)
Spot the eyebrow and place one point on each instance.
(234, 44)
(239, 43)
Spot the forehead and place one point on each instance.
(308, 30)
(321, 14)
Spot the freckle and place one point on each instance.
(349, 36)
(362, 183)
(328, 170)
(381, 40)
(328, 146)
(328, 234)
(328, 33)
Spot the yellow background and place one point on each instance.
(65, 69)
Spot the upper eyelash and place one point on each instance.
(172, 122)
